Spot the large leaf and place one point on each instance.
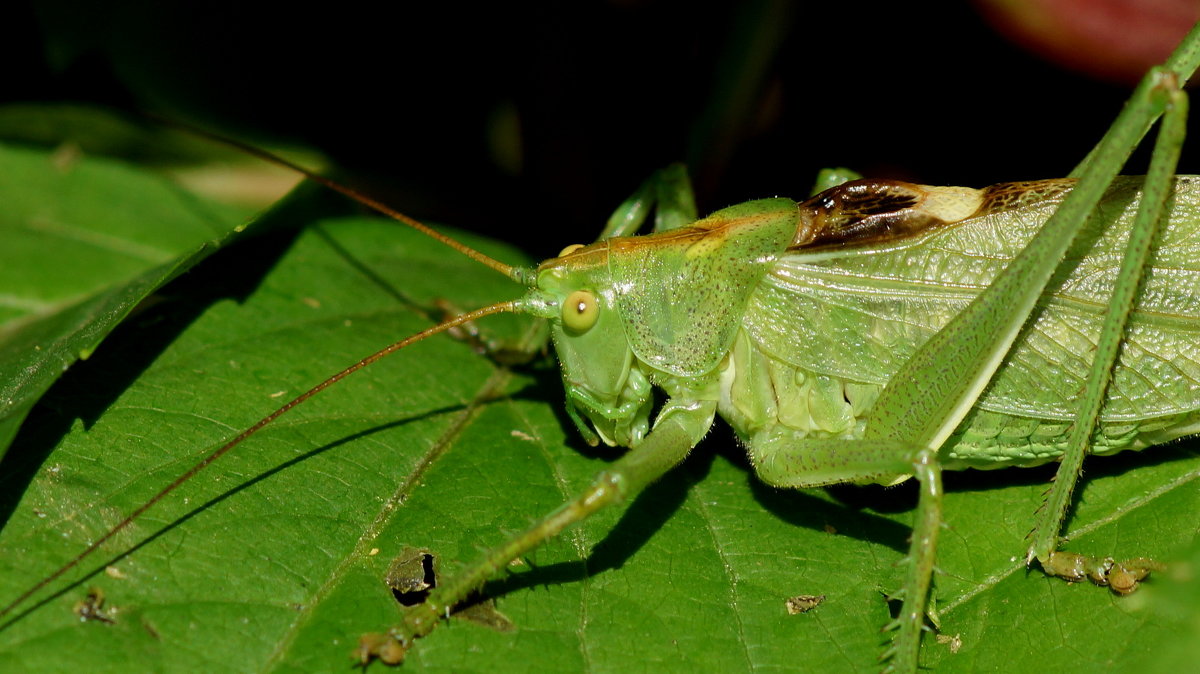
(274, 558)
(84, 243)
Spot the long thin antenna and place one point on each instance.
(241, 437)
(518, 274)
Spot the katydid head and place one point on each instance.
(608, 398)
(628, 309)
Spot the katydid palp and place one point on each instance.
(152, 622)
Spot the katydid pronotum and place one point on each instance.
(744, 403)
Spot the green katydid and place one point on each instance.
(691, 414)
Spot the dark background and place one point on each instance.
(533, 120)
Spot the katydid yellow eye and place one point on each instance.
(580, 311)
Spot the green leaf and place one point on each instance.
(84, 243)
(274, 557)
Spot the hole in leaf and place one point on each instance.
(412, 575)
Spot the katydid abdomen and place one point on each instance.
(829, 325)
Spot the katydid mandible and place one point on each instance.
(814, 409)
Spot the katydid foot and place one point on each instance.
(1123, 577)
(390, 647)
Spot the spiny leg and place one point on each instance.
(922, 556)
(930, 395)
(1123, 577)
(926, 400)
(934, 390)
(678, 429)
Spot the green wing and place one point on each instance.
(859, 313)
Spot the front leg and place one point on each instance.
(679, 427)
